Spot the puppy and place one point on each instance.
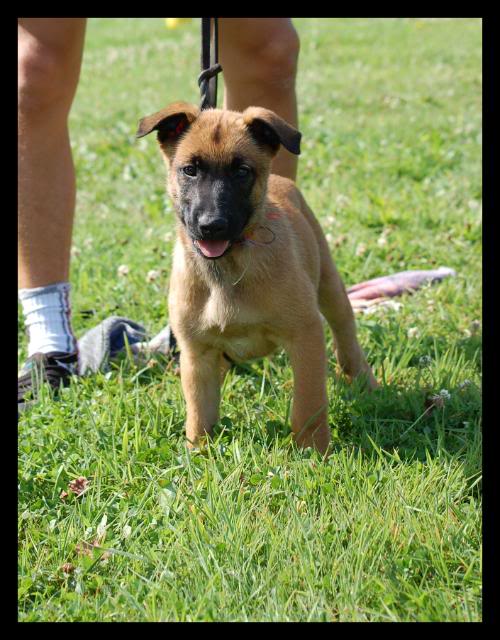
(252, 271)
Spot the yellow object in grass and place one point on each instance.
(173, 23)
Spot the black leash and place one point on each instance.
(210, 67)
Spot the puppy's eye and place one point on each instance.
(190, 170)
(243, 171)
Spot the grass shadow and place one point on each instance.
(410, 417)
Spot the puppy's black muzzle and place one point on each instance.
(213, 227)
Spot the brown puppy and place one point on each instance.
(252, 270)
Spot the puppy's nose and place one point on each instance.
(212, 227)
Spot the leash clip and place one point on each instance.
(208, 98)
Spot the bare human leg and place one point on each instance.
(50, 53)
(259, 59)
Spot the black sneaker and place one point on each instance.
(55, 368)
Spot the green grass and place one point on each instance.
(389, 529)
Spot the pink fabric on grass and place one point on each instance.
(379, 289)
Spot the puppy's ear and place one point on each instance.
(170, 122)
(270, 130)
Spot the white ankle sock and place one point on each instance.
(47, 317)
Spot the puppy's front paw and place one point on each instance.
(368, 379)
(317, 437)
(196, 438)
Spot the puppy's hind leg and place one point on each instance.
(336, 308)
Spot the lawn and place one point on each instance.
(250, 528)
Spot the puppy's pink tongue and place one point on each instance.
(212, 248)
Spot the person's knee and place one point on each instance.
(271, 63)
(44, 83)
(278, 61)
